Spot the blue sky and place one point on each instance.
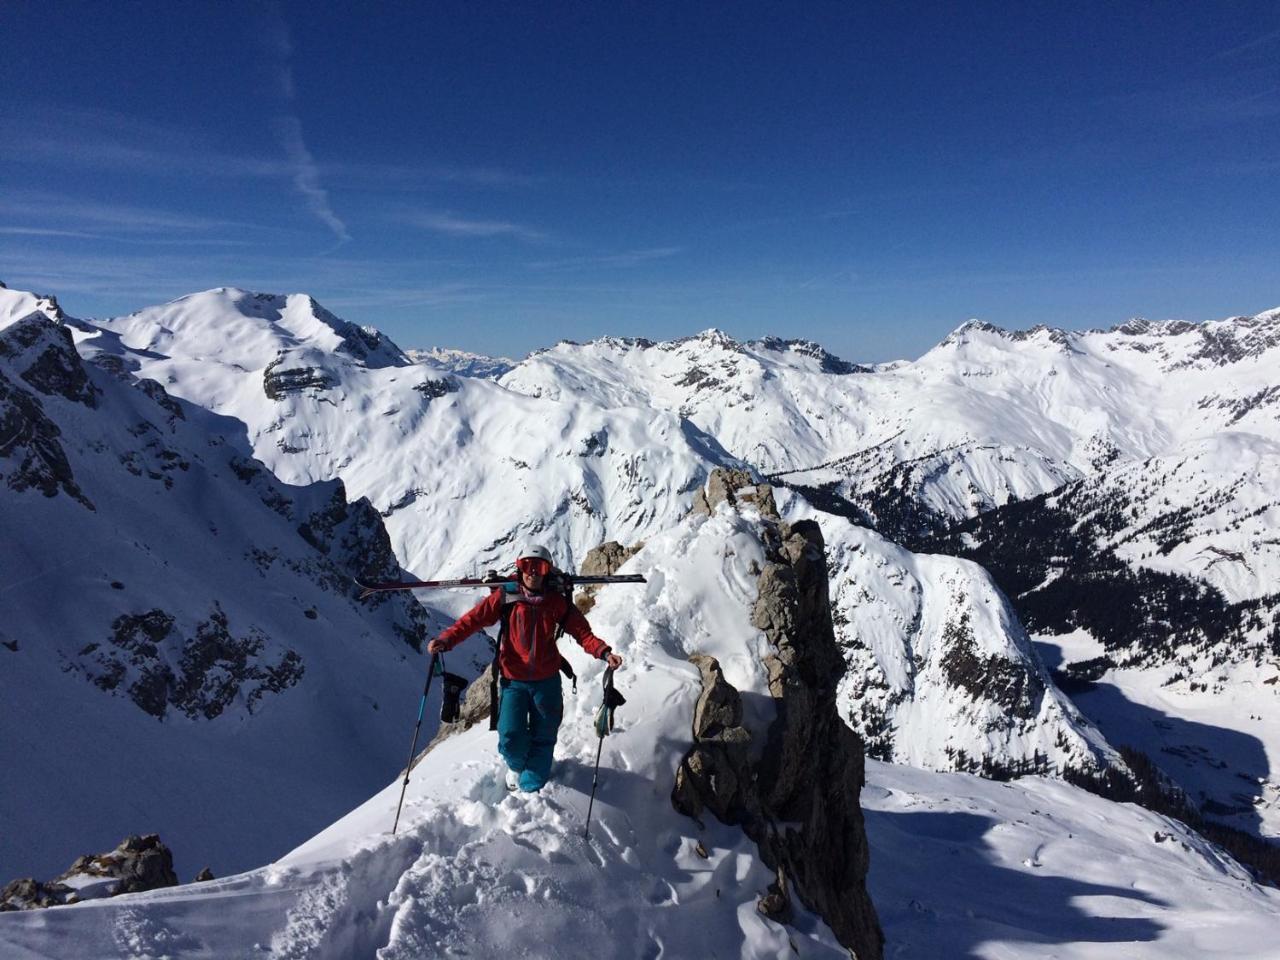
(496, 177)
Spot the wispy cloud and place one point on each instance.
(1253, 46)
(305, 171)
(51, 211)
(306, 177)
(46, 232)
(452, 225)
(630, 258)
(69, 136)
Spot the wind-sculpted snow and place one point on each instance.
(172, 614)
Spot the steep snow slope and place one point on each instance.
(465, 469)
(177, 624)
(963, 867)
(941, 673)
(460, 468)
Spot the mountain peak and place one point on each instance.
(250, 329)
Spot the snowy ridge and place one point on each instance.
(478, 871)
(247, 330)
(626, 430)
(173, 613)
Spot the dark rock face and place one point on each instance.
(810, 769)
(352, 537)
(431, 389)
(137, 864)
(40, 353)
(279, 382)
(30, 446)
(46, 355)
(214, 667)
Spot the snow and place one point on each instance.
(893, 610)
(609, 440)
(963, 867)
(1219, 741)
(167, 525)
(475, 870)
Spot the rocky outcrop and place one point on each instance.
(137, 864)
(795, 795)
(279, 381)
(44, 353)
(734, 487)
(149, 660)
(32, 454)
(604, 560)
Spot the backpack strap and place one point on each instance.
(495, 692)
(565, 666)
(504, 630)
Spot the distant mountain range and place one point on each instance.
(1119, 491)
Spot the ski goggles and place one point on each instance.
(534, 566)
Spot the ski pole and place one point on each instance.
(601, 730)
(431, 672)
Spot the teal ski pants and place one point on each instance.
(528, 721)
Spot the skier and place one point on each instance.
(528, 663)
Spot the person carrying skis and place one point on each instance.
(528, 663)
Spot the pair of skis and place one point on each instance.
(556, 581)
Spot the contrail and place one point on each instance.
(306, 174)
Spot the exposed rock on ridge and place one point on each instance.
(796, 795)
(137, 864)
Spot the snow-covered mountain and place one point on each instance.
(460, 468)
(464, 469)
(960, 867)
(462, 363)
(1124, 482)
(177, 622)
(1084, 471)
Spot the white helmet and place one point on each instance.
(535, 550)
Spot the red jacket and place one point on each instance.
(529, 650)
